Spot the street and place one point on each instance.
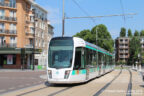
(116, 83)
(14, 80)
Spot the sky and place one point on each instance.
(94, 8)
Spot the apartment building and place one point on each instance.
(122, 49)
(20, 26)
(41, 35)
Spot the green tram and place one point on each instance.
(73, 60)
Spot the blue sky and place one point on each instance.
(94, 8)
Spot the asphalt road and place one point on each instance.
(14, 80)
(116, 83)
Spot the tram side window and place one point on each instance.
(100, 57)
(78, 59)
(89, 55)
(94, 58)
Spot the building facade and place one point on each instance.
(41, 35)
(122, 49)
(22, 27)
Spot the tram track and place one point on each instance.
(60, 91)
(107, 85)
(129, 85)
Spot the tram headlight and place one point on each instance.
(50, 73)
(67, 72)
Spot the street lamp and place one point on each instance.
(97, 45)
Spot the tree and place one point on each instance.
(85, 34)
(136, 33)
(104, 38)
(129, 33)
(142, 33)
(135, 49)
(123, 32)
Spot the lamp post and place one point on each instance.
(97, 46)
(63, 21)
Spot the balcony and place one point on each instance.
(29, 46)
(8, 45)
(8, 5)
(123, 47)
(123, 51)
(8, 18)
(123, 56)
(8, 32)
(123, 42)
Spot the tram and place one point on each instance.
(73, 60)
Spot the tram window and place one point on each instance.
(78, 64)
(99, 59)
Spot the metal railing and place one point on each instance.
(8, 5)
(8, 18)
(123, 47)
(29, 46)
(3, 31)
(123, 51)
(8, 45)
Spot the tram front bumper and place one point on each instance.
(63, 81)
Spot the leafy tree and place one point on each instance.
(85, 34)
(104, 38)
(136, 33)
(135, 48)
(123, 32)
(129, 33)
(142, 33)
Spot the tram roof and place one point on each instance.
(88, 45)
(97, 48)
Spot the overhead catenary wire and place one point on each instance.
(85, 12)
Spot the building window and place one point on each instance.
(2, 14)
(12, 3)
(12, 28)
(1, 1)
(31, 41)
(2, 26)
(31, 18)
(13, 14)
(31, 30)
(2, 41)
(12, 39)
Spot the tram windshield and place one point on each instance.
(60, 53)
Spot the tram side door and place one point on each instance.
(86, 58)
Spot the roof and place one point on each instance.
(35, 4)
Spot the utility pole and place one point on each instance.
(97, 48)
(63, 20)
